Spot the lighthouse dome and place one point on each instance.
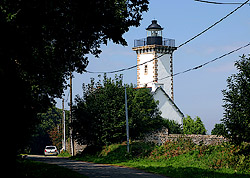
(154, 26)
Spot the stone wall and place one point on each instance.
(77, 148)
(161, 136)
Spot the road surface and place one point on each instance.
(94, 170)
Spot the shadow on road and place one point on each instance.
(94, 170)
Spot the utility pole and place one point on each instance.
(126, 111)
(64, 126)
(70, 116)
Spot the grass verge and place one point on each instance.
(64, 154)
(177, 159)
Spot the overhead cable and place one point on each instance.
(120, 70)
(204, 64)
(191, 39)
(213, 2)
(214, 24)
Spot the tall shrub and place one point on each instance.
(193, 126)
(237, 103)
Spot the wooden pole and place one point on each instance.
(70, 117)
(126, 111)
(64, 127)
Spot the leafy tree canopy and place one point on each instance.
(42, 42)
(172, 126)
(193, 126)
(48, 130)
(99, 116)
(236, 103)
(219, 129)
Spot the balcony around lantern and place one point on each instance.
(163, 42)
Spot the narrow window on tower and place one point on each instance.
(146, 70)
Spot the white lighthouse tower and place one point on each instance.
(158, 73)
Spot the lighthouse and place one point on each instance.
(155, 69)
(158, 72)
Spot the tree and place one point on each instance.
(199, 127)
(188, 125)
(195, 126)
(42, 42)
(236, 103)
(48, 131)
(55, 135)
(172, 126)
(219, 129)
(143, 112)
(99, 117)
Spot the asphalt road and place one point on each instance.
(94, 170)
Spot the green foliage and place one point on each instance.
(141, 149)
(236, 103)
(143, 112)
(64, 154)
(50, 119)
(180, 158)
(48, 131)
(188, 125)
(195, 126)
(219, 129)
(99, 117)
(172, 149)
(117, 153)
(56, 136)
(173, 126)
(42, 42)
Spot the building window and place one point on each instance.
(145, 69)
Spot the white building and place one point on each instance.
(158, 73)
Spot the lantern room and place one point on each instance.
(154, 33)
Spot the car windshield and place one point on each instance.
(50, 147)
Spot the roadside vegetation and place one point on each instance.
(99, 115)
(64, 154)
(181, 158)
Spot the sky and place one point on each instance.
(196, 93)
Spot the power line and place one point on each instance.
(213, 24)
(213, 60)
(204, 64)
(191, 39)
(213, 2)
(120, 70)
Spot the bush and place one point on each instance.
(219, 129)
(172, 148)
(193, 126)
(173, 126)
(64, 154)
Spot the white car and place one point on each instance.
(50, 150)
